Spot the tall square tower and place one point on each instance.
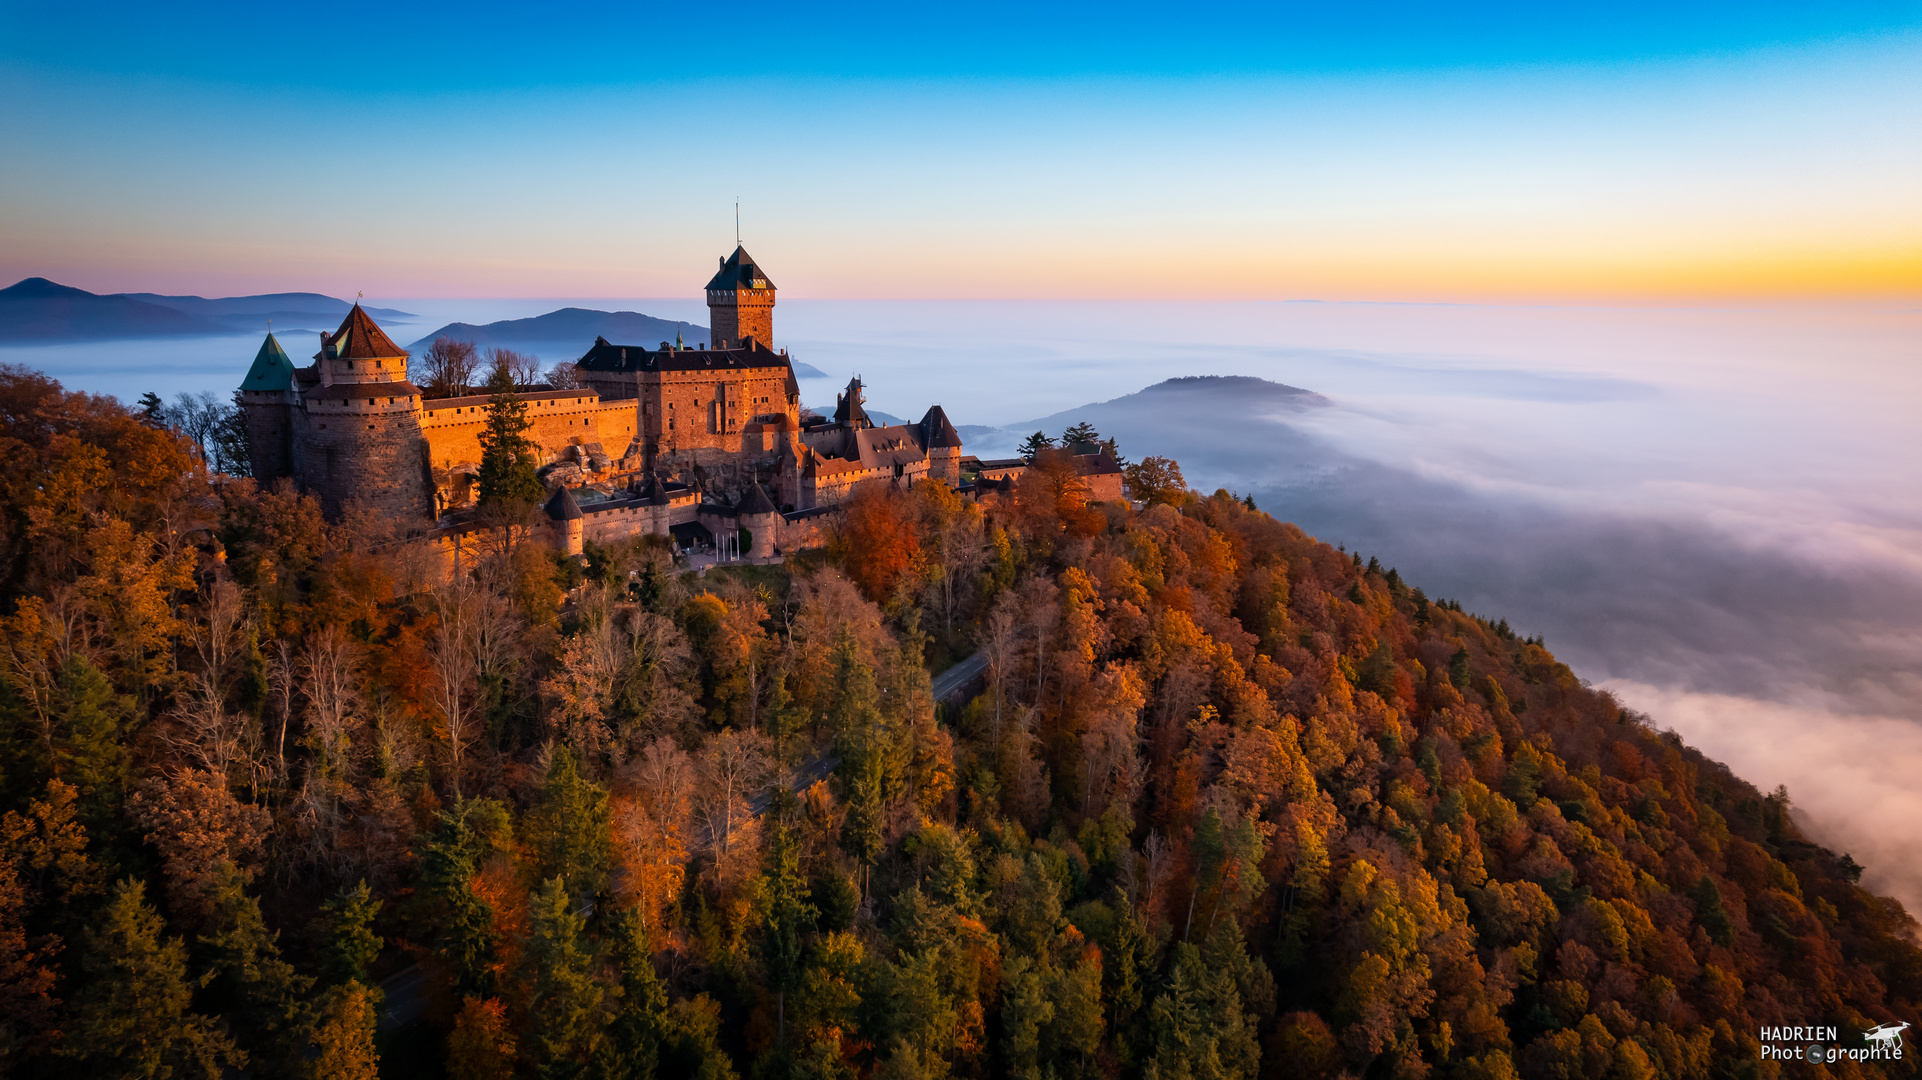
(740, 303)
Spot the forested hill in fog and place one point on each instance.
(1228, 802)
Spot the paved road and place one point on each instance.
(954, 681)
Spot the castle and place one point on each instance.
(714, 445)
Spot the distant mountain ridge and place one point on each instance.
(38, 310)
(568, 333)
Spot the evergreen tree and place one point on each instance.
(131, 1013)
(631, 1046)
(263, 999)
(507, 464)
(564, 1010)
(467, 939)
(1082, 432)
(151, 410)
(88, 747)
(569, 829)
(788, 916)
(1033, 445)
(350, 943)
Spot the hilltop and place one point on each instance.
(1224, 801)
(566, 333)
(38, 310)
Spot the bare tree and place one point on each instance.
(564, 376)
(470, 641)
(734, 767)
(523, 369)
(446, 369)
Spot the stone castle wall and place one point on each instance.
(452, 426)
(270, 438)
(379, 459)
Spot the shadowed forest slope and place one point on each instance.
(1229, 803)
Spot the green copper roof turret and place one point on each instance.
(271, 371)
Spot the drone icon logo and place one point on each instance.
(1888, 1035)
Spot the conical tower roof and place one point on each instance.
(936, 430)
(562, 507)
(359, 338)
(272, 369)
(756, 502)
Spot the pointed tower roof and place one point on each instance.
(739, 272)
(272, 369)
(756, 502)
(847, 406)
(562, 507)
(359, 338)
(937, 431)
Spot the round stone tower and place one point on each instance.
(568, 523)
(359, 433)
(762, 520)
(268, 406)
(740, 303)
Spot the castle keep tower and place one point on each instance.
(740, 303)
(358, 435)
(268, 405)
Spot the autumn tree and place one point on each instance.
(1155, 480)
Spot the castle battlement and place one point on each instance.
(673, 440)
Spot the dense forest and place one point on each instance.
(282, 796)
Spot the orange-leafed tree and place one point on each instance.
(878, 541)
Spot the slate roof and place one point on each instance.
(739, 272)
(359, 339)
(937, 431)
(272, 370)
(562, 507)
(605, 355)
(756, 502)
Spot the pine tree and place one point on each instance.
(347, 926)
(1083, 432)
(564, 1010)
(788, 916)
(467, 940)
(1033, 445)
(569, 829)
(263, 999)
(507, 465)
(631, 1046)
(87, 740)
(132, 1012)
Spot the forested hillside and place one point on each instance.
(1230, 802)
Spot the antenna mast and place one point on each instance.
(737, 221)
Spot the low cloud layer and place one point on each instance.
(1852, 777)
(1792, 671)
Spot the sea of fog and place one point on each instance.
(1713, 513)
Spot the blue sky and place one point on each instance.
(1392, 151)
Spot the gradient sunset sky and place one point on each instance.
(1628, 152)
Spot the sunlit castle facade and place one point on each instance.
(673, 438)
